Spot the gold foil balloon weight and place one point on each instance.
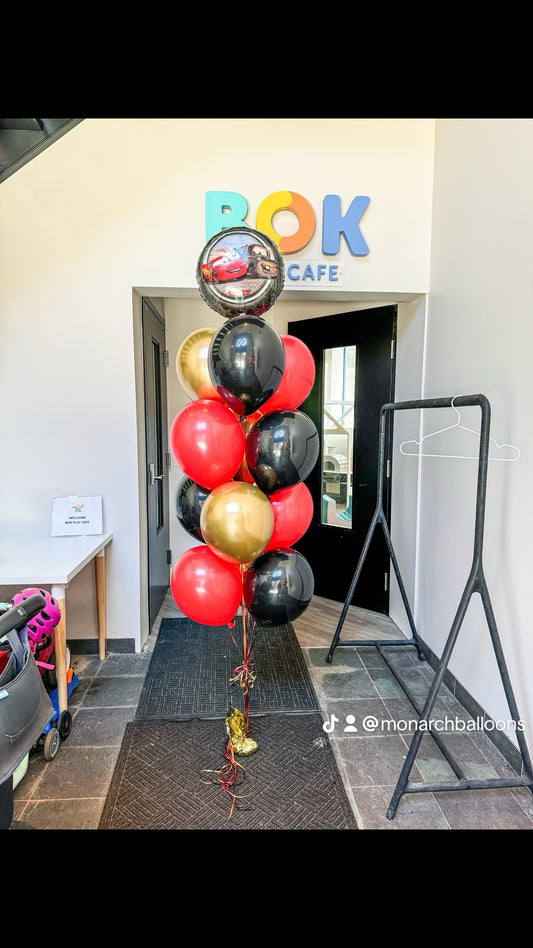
(236, 728)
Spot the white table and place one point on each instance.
(36, 560)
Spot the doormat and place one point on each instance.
(191, 666)
(164, 778)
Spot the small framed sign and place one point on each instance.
(75, 516)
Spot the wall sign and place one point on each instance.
(313, 274)
(76, 516)
(224, 209)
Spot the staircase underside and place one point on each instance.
(23, 139)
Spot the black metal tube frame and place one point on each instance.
(475, 583)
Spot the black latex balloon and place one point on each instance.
(282, 448)
(278, 586)
(190, 498)
(246, 359)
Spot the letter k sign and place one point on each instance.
(333, 225)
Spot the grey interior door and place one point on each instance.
(157, 467)
(354, 357)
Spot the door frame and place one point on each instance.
(292, 307)
(346, 543)
(162, 475)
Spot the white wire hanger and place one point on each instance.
(413, 447)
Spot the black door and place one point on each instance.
(157, 491)
(354, 357)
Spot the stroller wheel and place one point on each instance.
(51, 744)
(64, 724)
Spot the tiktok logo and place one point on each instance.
(329, 726)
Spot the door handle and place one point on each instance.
(153, 476)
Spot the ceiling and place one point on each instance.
(21, 139)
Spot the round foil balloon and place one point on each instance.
(237, 521)
(190, 498)
(240, 271)
(278, 586)
(191, 365)
(282, 449)
(246, 360)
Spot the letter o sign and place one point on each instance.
(286, 201)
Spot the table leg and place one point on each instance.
(99, 568)
(60, 648)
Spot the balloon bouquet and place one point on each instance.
(245, 450)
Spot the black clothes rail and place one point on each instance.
(475, 583)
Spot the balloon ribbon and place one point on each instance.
(237, 722)
(245, 676)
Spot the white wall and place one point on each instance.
(405, 490)
(480, 340)
(116, 206)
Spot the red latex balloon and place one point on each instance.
(243, 471)
(297, 378)
(293, 512)
(255, 416)
(205, 587)
(207, 442)
(208, 390)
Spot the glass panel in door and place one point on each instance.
(338, 435)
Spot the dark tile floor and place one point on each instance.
(357, 690)
(68, 792)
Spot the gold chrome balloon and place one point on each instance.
(237, 521)
(192, 366)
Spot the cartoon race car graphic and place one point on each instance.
(260, 263)
(237, 292)
(227, 265)
(253, 262)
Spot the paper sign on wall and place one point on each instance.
(75, 516)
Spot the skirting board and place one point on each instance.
(90, 646)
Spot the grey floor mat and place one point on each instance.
(291, 782)
(191, 665)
